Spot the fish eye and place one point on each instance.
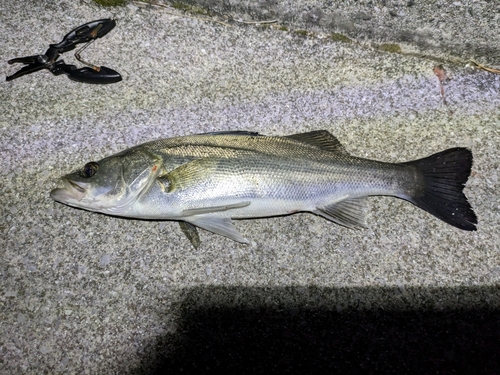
(89, 169)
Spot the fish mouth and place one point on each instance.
(71, 193)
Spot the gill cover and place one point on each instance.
(138, 170)
(111, 185)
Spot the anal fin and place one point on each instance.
(350, 213)
(219, 225)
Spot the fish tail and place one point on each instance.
(445, 175)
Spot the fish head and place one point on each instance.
(111, 185)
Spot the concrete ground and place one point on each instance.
(84, 293)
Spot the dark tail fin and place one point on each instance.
(445, 175)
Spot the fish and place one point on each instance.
(207, 180)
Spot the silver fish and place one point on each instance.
(206, 180)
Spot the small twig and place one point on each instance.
(254, 22)
(181, 15)
(482, 67)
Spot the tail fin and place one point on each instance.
(445, 175)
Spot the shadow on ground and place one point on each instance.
(308, 330)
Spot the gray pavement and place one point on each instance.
(87, 293)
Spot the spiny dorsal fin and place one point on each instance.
(350, 212)
(233, 132)
(321, 139)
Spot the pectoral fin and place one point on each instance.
(218, 225)
(350, 213)
(211, 209)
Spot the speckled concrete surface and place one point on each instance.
(461, 29)
(88, 293)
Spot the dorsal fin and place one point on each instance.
(321, 139)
